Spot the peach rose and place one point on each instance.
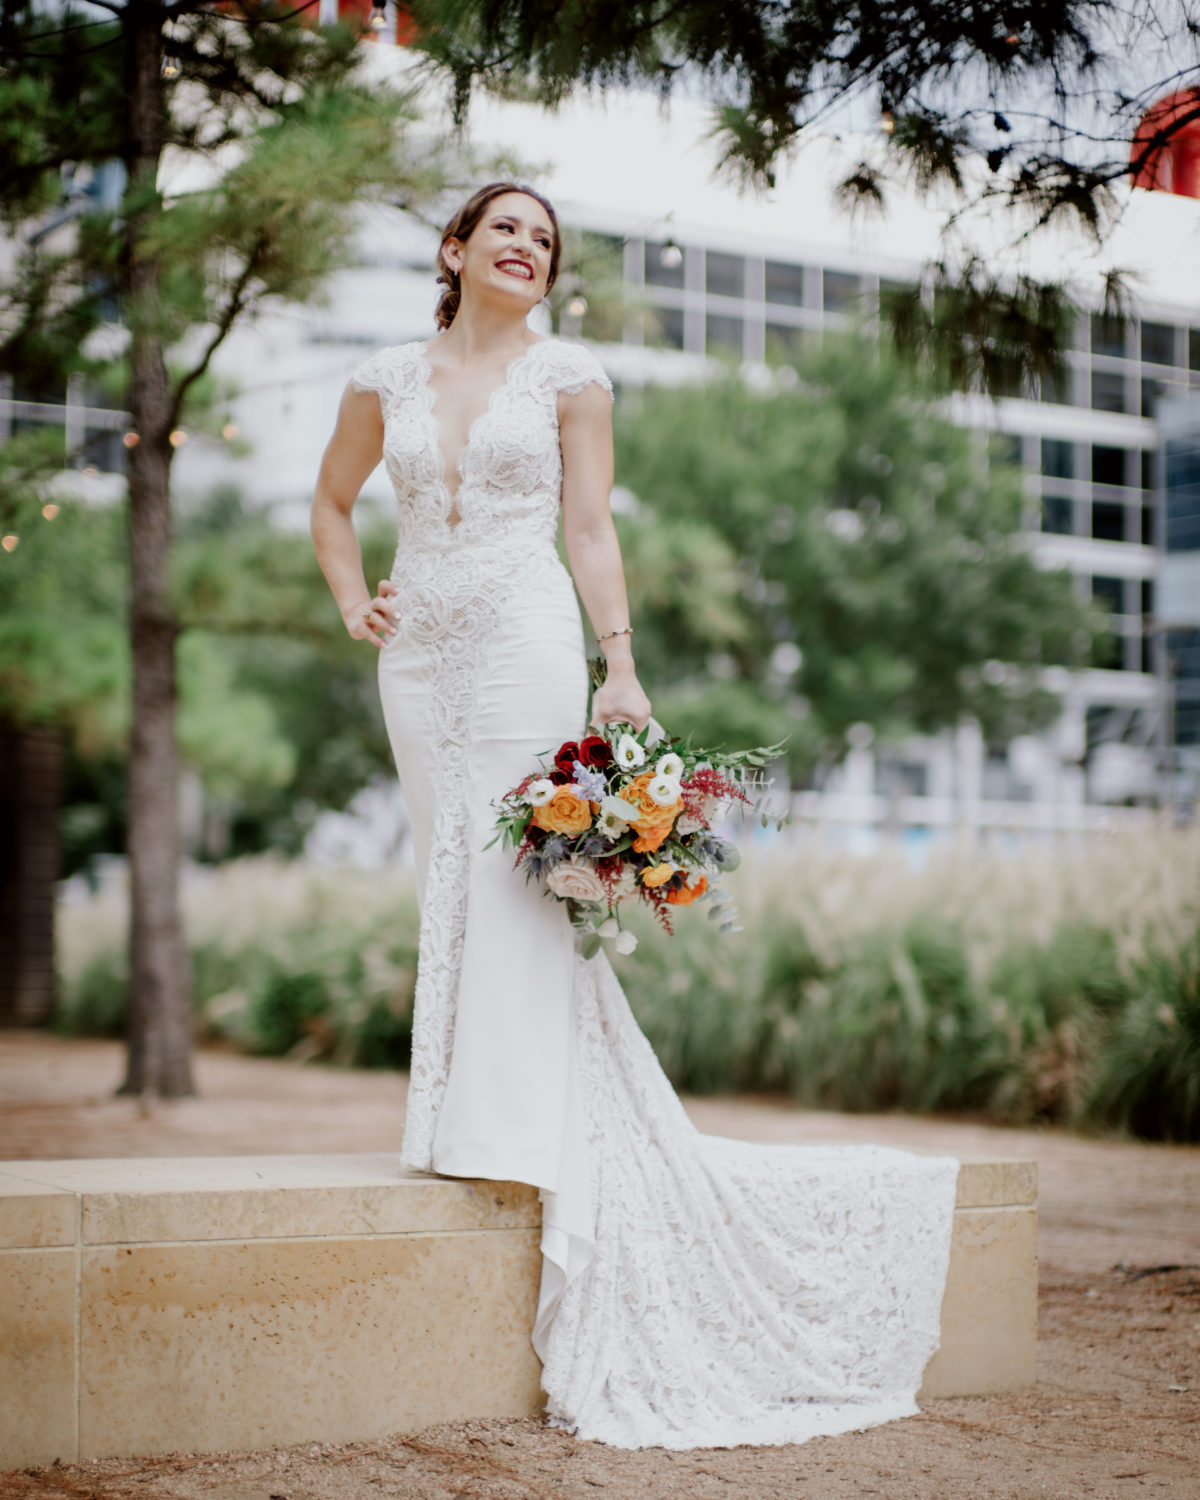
(564, 813)
(650, 813)
(650, 838)
(658, 874)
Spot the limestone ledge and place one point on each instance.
(176, 1200)
(230, 1303)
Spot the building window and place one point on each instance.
(1004, 448)
(721, 332)
(1108, 391)
(724, 275)
(1108, 465)
(840, 291)
(1109, 336)
(1194, 348)
(1110, 591)
(670, 322)
(1148, 529)
(784, 341)
(1060, 392)
(1147, 468)
(1108, 521)
(1147, 596)
(785, 283)
(660, 274)
(1058, 515)
(1058, 458)
(1158, 343)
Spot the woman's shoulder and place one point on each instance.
(381, 371)
(573, 365)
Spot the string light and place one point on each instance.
(130, 439)
(170, 66)
(9, 543)
(90, 472)
(670, 255)
(178, 438)
(378, 20)
(577, 306)
(229, 431)
(50, 510)
(887, 121)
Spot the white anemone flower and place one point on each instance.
(670, 765)
(626, 941)
(688, 823)
(619, 808)
(538, 793)
(664, 790)
(654, 732)
(610, 826)
(629, 753)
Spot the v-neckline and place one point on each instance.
(435, 425)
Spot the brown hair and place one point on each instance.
(463, 225)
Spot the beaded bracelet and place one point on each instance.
(625, 630)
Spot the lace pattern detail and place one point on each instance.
(705, 1292)
(456, 582)
(766, 1294)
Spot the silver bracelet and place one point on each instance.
(625, 630)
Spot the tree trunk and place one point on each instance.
(160, 1028)
(31, 762)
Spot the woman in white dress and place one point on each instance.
(695, 1291)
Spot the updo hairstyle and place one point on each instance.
(463, 225)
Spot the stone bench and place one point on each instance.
(230, 1303)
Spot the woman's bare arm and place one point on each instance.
(585, 427)
(351, 456)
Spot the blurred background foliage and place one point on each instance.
(1058, 987)
(824, 550)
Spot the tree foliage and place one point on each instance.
(850, 555)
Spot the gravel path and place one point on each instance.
(1115, 1412)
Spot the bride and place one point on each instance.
(696, 1291)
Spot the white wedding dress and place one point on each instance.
(696, 1291)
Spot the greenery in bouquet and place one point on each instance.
(625, 814)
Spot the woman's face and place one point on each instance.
(508, 253)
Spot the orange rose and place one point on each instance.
(686, 894)
(650, 838)
(564, 813)
(650, 813)
(658, 874)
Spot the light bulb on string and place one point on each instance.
(577, 306)
(887, 121)
(170, 66)
(670, 255)
(178, 438)
(229, 431)
(9, 543)
(50, 510)
(130, 439)
(378, 18)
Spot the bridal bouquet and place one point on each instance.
(620, 815)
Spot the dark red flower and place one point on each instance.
(595, 752)
(566, 757)
(560, 777)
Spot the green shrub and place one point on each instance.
(97, 1002)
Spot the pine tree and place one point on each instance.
(273, 138)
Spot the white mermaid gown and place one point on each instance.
(696, 1291)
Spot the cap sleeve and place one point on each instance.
(578, 367)
(382, 373)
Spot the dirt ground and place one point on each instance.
(1115, 1411)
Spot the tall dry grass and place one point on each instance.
(1059, 983)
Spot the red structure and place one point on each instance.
(1173, 164)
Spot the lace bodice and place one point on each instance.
(510, 467)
